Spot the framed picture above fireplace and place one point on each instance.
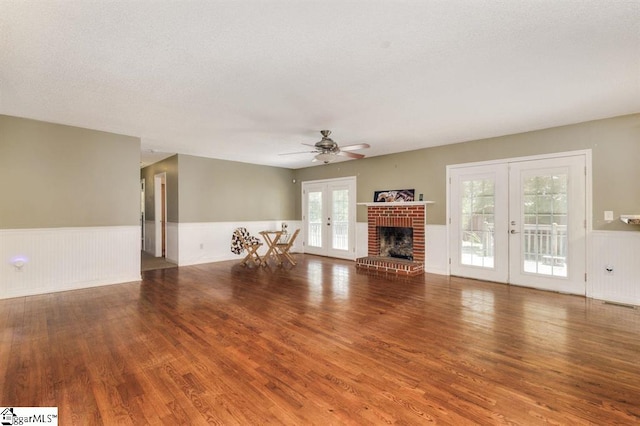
(394, 196)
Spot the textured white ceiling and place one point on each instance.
(248, 80)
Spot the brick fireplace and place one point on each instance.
(401, 215)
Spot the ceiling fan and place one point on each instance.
(327, 150)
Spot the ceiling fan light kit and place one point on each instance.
(326, 158)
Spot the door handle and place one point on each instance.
(513, 231)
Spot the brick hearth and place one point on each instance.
(390, 264)
(407, 215)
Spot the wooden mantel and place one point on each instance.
(396, 203)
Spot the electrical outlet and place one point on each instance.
(608, 270)
(608, 215)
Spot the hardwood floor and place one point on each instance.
(319, 343)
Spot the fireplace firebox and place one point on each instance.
(396, 241)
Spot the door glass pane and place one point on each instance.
(314, 210)
(477, 222)
(545, 224)
(340, 219)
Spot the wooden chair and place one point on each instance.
(282, 248)
(241, 241)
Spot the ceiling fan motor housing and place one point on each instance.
(327, 145)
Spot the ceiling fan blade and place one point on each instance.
(350, 154)
(299, 152)
(355, 147)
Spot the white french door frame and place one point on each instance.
(326, 186)
(587, 154)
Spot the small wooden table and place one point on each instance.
(271, 238)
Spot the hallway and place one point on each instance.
(151, 263)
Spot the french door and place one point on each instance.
(521, 222)
(329, 217)
(479, 214)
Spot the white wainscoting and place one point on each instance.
(362, 239)
(437, 260)
(621, 250)
(211, 241)
(173, 244)
(59, 259)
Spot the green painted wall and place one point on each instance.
(226, 191)
(615, 144)
(209, 190)
(61, 176)
(53, 175)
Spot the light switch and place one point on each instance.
(608, 215)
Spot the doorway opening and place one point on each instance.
(142, 215)
(160, 198)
